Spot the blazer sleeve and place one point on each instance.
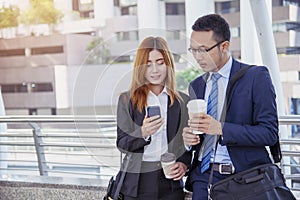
(129, 134)
(251, 119)
(186, 156)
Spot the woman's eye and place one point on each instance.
(161, 62)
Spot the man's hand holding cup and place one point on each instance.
(196, 108)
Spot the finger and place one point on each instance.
(154, 128)
(155, 117)
(157, 121)
(197, 115)
(178, 175)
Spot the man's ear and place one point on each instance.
(225, 46)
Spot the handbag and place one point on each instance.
(263, 182)
(114, 186)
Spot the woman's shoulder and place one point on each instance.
(124, 96)
(184, 96)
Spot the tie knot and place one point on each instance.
(215, 76)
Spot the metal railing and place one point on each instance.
(81, 146)
(84, 146)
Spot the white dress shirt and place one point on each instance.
(159, 141)
(222, 155)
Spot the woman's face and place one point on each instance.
(156, 71)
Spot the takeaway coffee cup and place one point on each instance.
(196, 106)
(167, 161)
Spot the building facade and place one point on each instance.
(122, 24)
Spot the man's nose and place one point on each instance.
(199, 55)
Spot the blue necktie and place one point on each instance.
(212, 107)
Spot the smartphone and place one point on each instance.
(153, 110)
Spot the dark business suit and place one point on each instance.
(129, 122)
(251, 121)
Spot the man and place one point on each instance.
(250, 117)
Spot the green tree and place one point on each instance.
(184, 77)
(98, 52)
(9, 17)
(42, 12)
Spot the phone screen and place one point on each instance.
(153, 110)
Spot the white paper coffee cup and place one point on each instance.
(197, 106)
(167, 161)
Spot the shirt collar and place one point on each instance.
(225, 70)
(164, 91)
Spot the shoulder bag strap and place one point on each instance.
(127, 160)
(231, 83)
(123, 172)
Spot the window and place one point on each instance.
(84, 7)
(288, 50)
(176, 35)
(47, 50)
(12, 52)
(117, 3)
(127, 36)
(227, 7)
(27, 87)
(128, 2)
(235, 31)
(129, 10)
(175, 9)
(291, 2)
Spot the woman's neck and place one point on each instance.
(156, 89)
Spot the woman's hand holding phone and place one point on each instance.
(152, 121)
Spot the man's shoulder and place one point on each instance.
(197, 80)
(251, 68)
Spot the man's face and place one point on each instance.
(208, 58)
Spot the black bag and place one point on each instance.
(264, 182)
(114, 187)
(111, 190)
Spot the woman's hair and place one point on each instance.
(139, 88)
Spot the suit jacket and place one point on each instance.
(130, 140)
(251, 121)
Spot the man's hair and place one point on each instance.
(215, 23)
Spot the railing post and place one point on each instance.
(39, 149)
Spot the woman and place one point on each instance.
(147, 138)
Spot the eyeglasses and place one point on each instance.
(203, 50)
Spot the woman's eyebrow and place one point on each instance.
(157, 60)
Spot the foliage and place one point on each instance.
(98, 52)
(9, 17)
(41, 12)
(184, 77)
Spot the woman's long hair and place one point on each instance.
(140, 88)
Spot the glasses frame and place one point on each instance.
(194, 51)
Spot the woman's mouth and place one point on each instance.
(155, 77)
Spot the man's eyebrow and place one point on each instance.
(200, 46)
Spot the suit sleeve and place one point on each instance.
(129, 134)
(252, 116)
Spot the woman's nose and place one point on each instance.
(154, 67)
